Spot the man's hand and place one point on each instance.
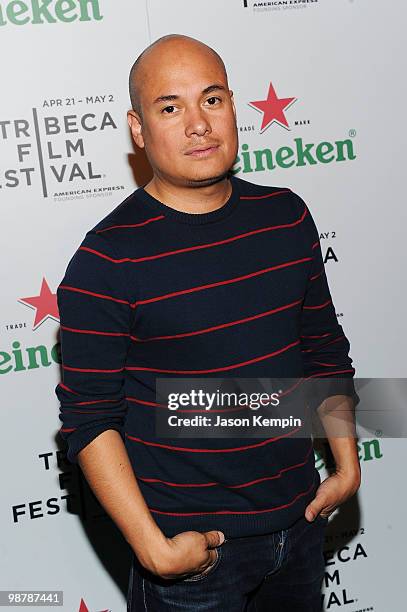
(189, 552)
(331, 493)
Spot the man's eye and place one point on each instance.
(168, 109)
(213, 100)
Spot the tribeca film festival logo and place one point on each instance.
(48, 149)
(49, 11)
(275, 112)
(279, 5)
(73, 496)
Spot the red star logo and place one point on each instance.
(45, 304)
(84, 608)
(273, 109)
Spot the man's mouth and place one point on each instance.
(202, 151)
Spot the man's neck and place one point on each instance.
(190, 199)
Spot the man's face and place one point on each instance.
(188, 117)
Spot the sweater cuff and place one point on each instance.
(319, 389)
(78, 439)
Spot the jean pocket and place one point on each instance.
(207, 571)
(323, 519)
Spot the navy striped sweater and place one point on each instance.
(239, 291)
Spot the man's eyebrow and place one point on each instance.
(172, 97)
(214, 87)
(168, 98)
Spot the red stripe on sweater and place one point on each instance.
(213, 450)
(220, 326)
(87, 411)
(312, 278)
(234, 511)
(237, 486)
(65, 367)
(96, 402)
(98, 295)
(289, 390)
(318, 306)
(224, 282)
(330, 373)
(106, 229)
(267, 195)
(195, 247)
(317, 348)
(145, 402)
(327, 365)
(319, 336)
(230, 367)
(67, 388)
(203, 411)
(92, 331)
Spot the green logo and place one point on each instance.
(49, 11)
(29, 358)
(301, 154)
(368, 450)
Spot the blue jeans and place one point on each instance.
(276, 572)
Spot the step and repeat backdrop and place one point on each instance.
(320, 94)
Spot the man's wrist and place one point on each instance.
(149, 547)
(351, 474)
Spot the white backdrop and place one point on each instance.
(67, 160)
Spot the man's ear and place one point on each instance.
(233, 103)
(134, 121)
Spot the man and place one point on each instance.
(200, 273)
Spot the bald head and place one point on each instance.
(176, 45)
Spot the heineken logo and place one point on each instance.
(29, 358)
(368, 450)
(299, 154)
(18, 12)
(273, 109)
(296, 154)
(45, 304)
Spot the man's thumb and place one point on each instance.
(214, 538)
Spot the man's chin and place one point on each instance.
(206, 181)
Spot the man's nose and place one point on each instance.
(196, 122)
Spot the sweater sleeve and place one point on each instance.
(324, 346)
(95, 321)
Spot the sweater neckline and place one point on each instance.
(193, 218)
